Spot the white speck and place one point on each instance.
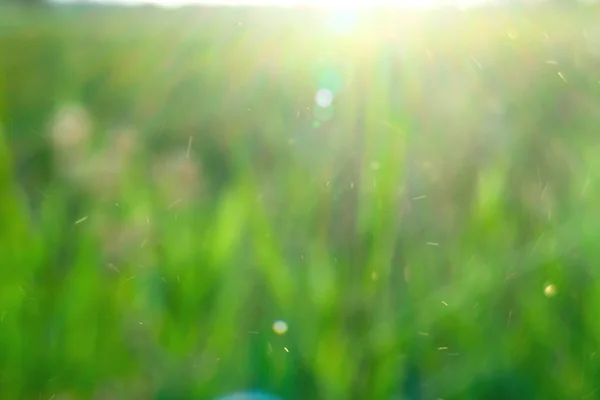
(351, 185)
(280, 327)
(419, 197)
(562, 77)
(187, 154)
(174, 203)
(476, 62)
(432, 244)
(80, 220)
(442, 348)
(286, 349)
(112, 266)
(444, 303)
(551, 62)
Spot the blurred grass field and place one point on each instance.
(169, 189)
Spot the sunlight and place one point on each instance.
(352, 4)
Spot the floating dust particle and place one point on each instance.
(374, 276)
(269, 348)
(113, 267)
(513, 34)
(444, 303)
(476, 62)
(351, 185)
(562, 77)
(189, 147)
(327, 184)
(280, 327)
(442, 348)
(128, 279)
(144, 243)
(550, 290)
(551, 62)
(419, 197)
(174, 203)
(432, 244)
(423, 333)
(286, 349)
(80, 220)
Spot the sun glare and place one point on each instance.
(343, 4)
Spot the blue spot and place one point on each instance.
(249, 396)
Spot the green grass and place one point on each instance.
(169, 190)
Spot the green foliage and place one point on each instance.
(168, 190)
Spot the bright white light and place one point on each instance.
(343, 21)
(280, 327)
(345, 4)
(324, 98)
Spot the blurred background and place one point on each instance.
(384, 202)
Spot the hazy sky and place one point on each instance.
(336, 3)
